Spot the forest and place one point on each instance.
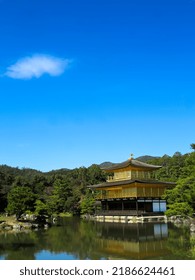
(65, 191)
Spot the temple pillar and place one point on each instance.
(137, 206)
(122, 205)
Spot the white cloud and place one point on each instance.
(36, 66)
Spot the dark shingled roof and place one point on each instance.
(126, 182)
(133, 163)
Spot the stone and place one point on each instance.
(46, 226)
(35, 225)
(2, 225)
(27, 225)
(8, 228)
(16, 227)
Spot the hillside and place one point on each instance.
(145, 158)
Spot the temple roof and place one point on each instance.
(133, 163)
(127, 182)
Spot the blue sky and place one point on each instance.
(84, 82)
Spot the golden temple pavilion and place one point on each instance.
(131, 189)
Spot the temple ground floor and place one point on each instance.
(131, 207)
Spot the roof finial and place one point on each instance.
(131, 156)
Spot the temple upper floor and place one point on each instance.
(130, 175)
(131, 170)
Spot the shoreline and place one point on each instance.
(11, 225)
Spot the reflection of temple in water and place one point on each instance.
(133, 241)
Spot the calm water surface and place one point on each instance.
(75, 239)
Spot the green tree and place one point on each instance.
(179, 208)
(183, 192)
(96, 175)
(88, 203)
(189, 167)
(193, 146)
(61, 193)
(20, 199)
(41, 208)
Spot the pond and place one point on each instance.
(76, 239)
